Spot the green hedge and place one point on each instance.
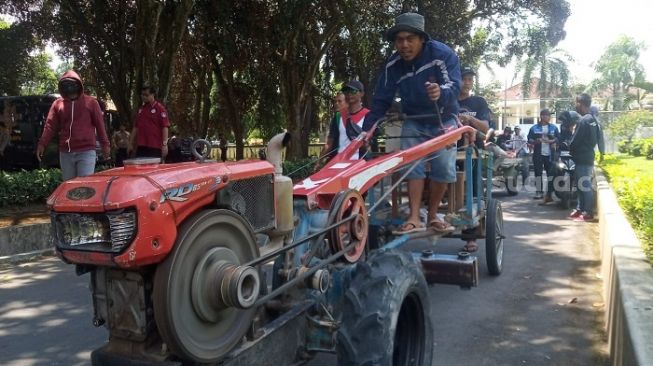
(298, 169)
(639, 147)
(632, 180)
(19, 188)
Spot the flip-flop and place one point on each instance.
(470, 247)
(409, 227)
(441, 227)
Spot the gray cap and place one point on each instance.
(466, 70)
(407, 22)
(353, 84)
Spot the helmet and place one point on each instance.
(568, 118)
(594, 110)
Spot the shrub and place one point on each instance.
(623, 146)
(24, 187)
(298, 169)
(635, 192)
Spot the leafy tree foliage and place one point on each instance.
(619, 68)
(625, 127)
(237, 66)
(23, 69)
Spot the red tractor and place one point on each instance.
(229, 263)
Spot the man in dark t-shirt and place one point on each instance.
(474, 111)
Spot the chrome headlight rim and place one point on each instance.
(121, 226)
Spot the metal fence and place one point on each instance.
(251, 151)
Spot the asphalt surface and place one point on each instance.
(544, 309)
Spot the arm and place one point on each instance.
(51, 127)
(600, 141)
(330, 141)
(384, 94)
(132, 139)
(531, 136)
(451, 80)
(97, 117)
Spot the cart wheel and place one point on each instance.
(386, 314)
(494, 237)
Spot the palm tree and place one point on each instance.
(550, 66)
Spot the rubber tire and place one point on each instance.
(387, 296)
(493, 250)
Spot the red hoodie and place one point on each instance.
(75, 121)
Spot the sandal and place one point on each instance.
(409, 227)
(440, 227)
(470, 247)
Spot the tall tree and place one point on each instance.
(24, 69)
(618, 68)
(550, 67)
(119, 45)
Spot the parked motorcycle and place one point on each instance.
(507, 167)
(564, 179)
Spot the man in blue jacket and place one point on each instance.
(425, 74)
(543, 136)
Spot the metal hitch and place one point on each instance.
(461, 269)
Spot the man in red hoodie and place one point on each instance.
(75, 118)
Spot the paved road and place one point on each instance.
(543, 310)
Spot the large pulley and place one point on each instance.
(203, 295)
(344, 205)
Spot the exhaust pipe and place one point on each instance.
(274, 149)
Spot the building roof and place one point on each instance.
(515, 91)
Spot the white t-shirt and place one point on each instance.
(546, 147)
(343, 141)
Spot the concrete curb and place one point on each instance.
(627, 283)
(26, 257)
(17, 243)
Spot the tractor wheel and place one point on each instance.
(494, 237)
(190, 322)
(386, 314)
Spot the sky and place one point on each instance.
(592, 26)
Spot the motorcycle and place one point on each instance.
(564, 179)
(507, 167)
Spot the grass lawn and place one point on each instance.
(632, 179)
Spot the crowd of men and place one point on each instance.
(427, 77)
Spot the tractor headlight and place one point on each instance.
(109, 232)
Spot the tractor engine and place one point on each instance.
(169, 251)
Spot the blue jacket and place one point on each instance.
(437, 63)
(536, 133)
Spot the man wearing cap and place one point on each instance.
(543, 136)
(337, 140)
(504, 140)
(425, 74)
(76, 119)
(474, 110)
